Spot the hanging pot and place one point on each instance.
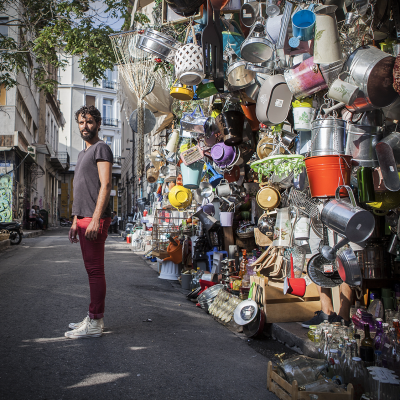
(268, 197)
(159, 44)
(148, 124)
(327, 47)
(185, 8)
(189, 62)
(372, 71)
(302, 118)
(181, 92)
(325, 171)
(328, 136)
(305, 79)
(180, 197)
(266, 224)
(233, 175)
(152, 175)
(348, 267)
(250, 113)
(231, 123)
(191, 174)
(249, 13)
(238, 76)
(388, 153)
(256, 48)
(274, 101)
(361, 143)
(346, 219)
(223, 155)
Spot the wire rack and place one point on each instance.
(304, 203)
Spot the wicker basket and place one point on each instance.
(245, 235)
(4, 235)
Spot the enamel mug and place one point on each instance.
(223, 189)
(302, 228)
(342, 91)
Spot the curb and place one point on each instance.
(5, 244)
(31, 234)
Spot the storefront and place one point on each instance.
(278, 179)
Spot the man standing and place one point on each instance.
(92, 216)
(114, 223)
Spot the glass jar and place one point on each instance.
(358, 377)
(311, 332)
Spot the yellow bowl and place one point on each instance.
(184, 93)
(180, 197)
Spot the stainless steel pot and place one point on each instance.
(348, 267)
(388, 153)
(238, 76)
(327, 136)
(372, 71)
(256, 48)
(361, 142)
(249, 13)
(159, 44)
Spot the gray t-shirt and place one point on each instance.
(87, 181)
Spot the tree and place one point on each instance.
(50, 31)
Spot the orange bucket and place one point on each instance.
(326, 173)
(249, 111)
(129, 239)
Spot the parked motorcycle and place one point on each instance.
(65, 222)
(15, 229)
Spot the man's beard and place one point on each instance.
(90, 134)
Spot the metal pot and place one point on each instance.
(249, 12)
(348, 267)
(266, 223)
(388, 153)
(185, 7)
(159, 44)
(346, 219)
(256, 48)
(372, 71)
(231, 125)
(323, 138)
(361, 142)
(238, 76)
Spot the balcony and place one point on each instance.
(109, 84)
(110, 122)
(60, 161)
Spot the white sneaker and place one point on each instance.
(76, 325)
(91, 328)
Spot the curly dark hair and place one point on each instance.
(91, 110)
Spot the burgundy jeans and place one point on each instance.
(93, 257)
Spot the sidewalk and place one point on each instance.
(290, 334)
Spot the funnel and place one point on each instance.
(207, 221)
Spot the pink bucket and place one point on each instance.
(305, 79)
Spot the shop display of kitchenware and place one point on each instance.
(237, 75)
(328, 136)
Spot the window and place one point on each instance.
(109, 75)
(108, 140)
(3, 26)
(23, 111)
(91, 101)
(107, 108)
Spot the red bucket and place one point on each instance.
(326, 173)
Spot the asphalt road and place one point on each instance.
(182, 354)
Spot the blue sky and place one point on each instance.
(99, 8)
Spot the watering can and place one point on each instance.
(347, 219)
(175, 251)
(215, 178)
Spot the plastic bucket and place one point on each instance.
(226, 218)
(186, 280)
(326, 173)
(128, 239)
(303, 116)
(191, 174)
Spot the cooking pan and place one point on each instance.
(256, 326)
(348, 267)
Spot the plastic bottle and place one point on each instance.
(335, 369)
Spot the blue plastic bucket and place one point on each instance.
(191, 174)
